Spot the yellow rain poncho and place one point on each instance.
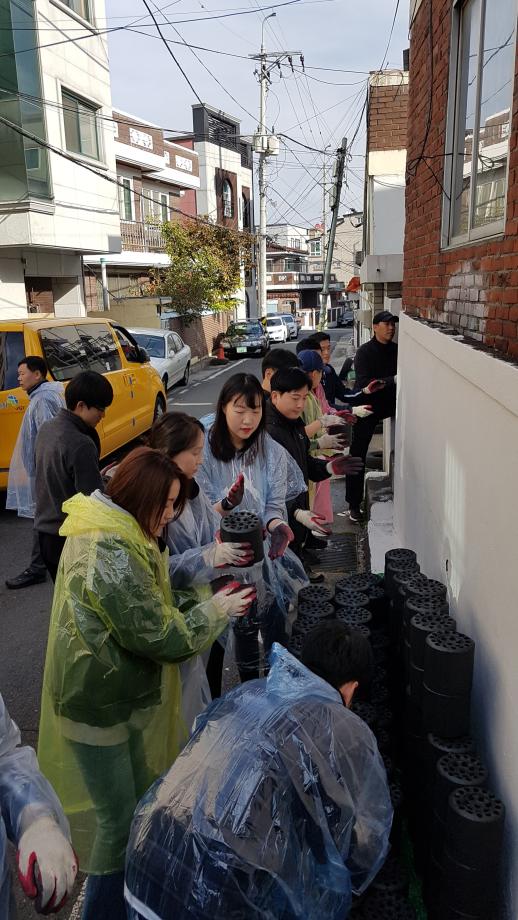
(110, 719)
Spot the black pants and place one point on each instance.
(37, 565)
(362, 436)
(51, 546)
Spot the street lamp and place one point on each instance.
(270, 16)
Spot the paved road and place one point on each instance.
(25, 614)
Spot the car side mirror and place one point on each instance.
(143, 355)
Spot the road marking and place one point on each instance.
(224, 369)
(193, 404)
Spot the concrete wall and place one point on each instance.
(135, 311)
(456, 504)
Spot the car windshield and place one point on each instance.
(288, 319)
(244, 329)
(154, 344)
(276, 321)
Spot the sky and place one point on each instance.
(341, 41)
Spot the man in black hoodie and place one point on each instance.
(374, 362)
(289, 388)
(67, 459)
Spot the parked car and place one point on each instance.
(346, 317)
(293, 329)
(70, 346)
(277, 329)
(245, 337)
(168, 353)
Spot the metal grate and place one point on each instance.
(340, 555)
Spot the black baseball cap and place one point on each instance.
(384, 316)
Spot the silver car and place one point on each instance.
(290, 321)
(168, 354)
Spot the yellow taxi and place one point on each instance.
(70, 346)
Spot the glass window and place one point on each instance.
(484, 59)
(228, 203)
(81, 130)
(164, 207)
(125, 198)
(69, 350)
(178, 344)
(129, 347)
(81, 7)
(315, 247)
(25, 167)
(12, 350)
(154, 344)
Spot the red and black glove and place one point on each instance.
(345, 466)
(281, 535)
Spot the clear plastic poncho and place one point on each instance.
(271, 479)
(44, 403)
(111, 703)
(25, 796)
(189, 539)
(277, 809)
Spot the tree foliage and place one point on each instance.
(205, 270)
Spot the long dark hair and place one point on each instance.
(141, 485)
(174, 432)
(247, 386)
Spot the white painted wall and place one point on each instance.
(456, 504)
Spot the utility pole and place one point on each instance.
(335, 205)
(265, 144)
(324, 212)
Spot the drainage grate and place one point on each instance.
(340, 555)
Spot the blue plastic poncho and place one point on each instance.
(44, 403)
(277, 808)
(25, 796)
(190, 540)
(271, 479)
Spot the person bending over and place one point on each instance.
(279, 805)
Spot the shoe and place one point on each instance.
(315, 579)
(354, 515)
(26, 578)
(309, 557)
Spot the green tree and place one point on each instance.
(205, 269)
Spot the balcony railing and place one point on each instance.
(140, 237)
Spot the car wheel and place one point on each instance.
(185, 379)
(159, 407)
(165, 381)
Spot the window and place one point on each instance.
(11, 351)
(128, 345)
(315, 247)
(125, 198)
(480, 121)
(71, 349)
(228, 203)
(81, 7)
(156, 204)
(154, 344)
(246, 212)
(81, 130)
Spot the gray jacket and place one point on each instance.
(67, 462)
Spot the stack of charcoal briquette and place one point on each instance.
(418, 707)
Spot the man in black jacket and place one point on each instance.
(376, 361)
(289, 388)
(67, 459)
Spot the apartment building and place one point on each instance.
(57, 153)
(157, 181)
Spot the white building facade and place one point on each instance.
(53, 210)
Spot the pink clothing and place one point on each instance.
(320, 397)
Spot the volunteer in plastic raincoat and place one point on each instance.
(278, 808)
(45, 401)
(31, 818)
(110, 720)
(239, 450)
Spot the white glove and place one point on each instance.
(47, 864)
(235, 603)
(219, 554)
(328, 420)
(330, 442)
(312, 521)
(363, 411)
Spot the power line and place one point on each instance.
(175, 59)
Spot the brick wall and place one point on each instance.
(387, 113)
(474, 288)
(202, 335)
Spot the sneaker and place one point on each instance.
(26, 578)
(315, 579)
(354, 515)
